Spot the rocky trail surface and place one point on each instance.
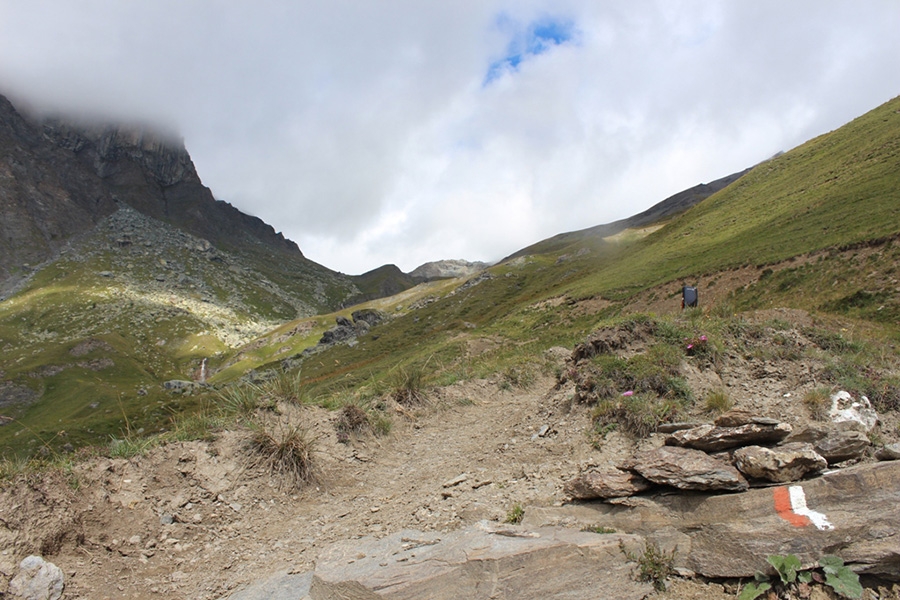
(195, 519)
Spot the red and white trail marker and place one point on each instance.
(790, 504)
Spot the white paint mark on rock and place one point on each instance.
(798, 505)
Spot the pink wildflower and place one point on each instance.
(628, 393)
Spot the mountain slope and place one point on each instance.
(60, 179)
(787, 231)
(671, 206)
(109, 241)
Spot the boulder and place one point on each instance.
(370, 316)
(836, 443)
(687, 469)
(605, 482)
(343, 331)
(889, 452)
(789, 462)
(845, 408)
(713, 438)
(844, 445)
(37, 579)
(179, 386)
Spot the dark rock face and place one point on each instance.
(46, 195)
(156, 175)
(58, 180)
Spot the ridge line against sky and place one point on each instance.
(404, 132)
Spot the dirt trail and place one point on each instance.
(192, 520)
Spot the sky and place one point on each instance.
(404, 131)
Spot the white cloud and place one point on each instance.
(372, 132)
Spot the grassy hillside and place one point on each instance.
(92, 336)
(816, 228)
(828, 197)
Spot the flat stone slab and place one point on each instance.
(487, 561)
(686, 469)
(482, 562)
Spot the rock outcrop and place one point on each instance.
(852, 513)
(480, 562)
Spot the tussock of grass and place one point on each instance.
(638, 414)
(129, 447)
(240, 399)
(285, 386)
(515, 514)
(818, 402)
(352, 420)
(407, 385)
(285, 450)
(718, 401)
(517, 376)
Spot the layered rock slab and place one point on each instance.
(606, 482)
(687, 469)
(481, 562)
(782, 464)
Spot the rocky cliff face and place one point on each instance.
(59, 179)
(155, 174)
(46, 196)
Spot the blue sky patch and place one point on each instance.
(527, 41)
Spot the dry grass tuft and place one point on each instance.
(286, 451)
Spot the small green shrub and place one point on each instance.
(787, 568)
(654, 564)
(515, 514)
(844, 581)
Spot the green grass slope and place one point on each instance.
(824, 198)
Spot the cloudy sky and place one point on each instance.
(404, 131)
